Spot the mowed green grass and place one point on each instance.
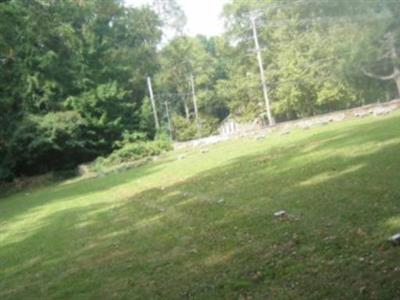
(203, 227)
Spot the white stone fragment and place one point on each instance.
(280, 214)
(395, 239)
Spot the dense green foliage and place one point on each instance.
(204, 227)
(84, 63)
(315, 53)
(182, 58)
(185, 130)
(72, 79)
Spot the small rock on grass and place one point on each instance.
(257, 276)
(395, 239)
(363, 290)
(360, 232)
(280, 214)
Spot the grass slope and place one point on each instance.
(203, 227)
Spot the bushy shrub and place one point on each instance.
(185, 130)
(130, 138)
(54, 141)
(209, 125)
(6, 174)
(131, 152)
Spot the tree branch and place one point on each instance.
(388, 77)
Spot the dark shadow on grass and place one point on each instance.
(214, 236)
(17, 205)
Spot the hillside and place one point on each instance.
(203, 226)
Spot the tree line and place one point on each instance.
(73, 72)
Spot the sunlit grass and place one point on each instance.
(203, 227)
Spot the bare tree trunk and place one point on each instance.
(397, 80)
(153, 104)
(392, 54)
(196, 112)
(186, 109)
(394, 58)
(271, 120)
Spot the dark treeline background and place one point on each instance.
(73, 72)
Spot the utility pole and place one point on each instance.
(196, 112)
(271, 120)
(153, 104)
(169, 119)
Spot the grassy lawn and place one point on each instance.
(203, 227)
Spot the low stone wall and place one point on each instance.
(214, 139)
(378, 109)
(230, 129)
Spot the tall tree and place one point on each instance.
(78, 62)
(311, 51)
